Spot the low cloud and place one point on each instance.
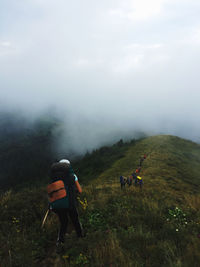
(108, 69)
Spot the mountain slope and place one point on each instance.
(156, 226)
(170, 160)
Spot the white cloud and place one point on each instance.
(6, 50)
(145, 9)
(82, 62)
(195, 36)
(143, 46)
(88, 63)
(139, 10)
(138, 57)
(5, 44)
(128, 63)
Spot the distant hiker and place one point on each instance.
(137, 171)
(134, 175)
(141, 161)
(145, 156)
(122, 181)
(139, 179)
(129, 180)
(62, 197)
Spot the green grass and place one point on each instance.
(156, 226)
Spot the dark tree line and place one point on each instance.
(25, 150)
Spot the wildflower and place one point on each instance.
(65, 256)
(176, 230)
(174, 215)
(84, 203)
(185, 222)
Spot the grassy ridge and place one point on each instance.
(92, 165)
(156, 226)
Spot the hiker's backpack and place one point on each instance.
(58, 195)
(56, 190)
(61, 189)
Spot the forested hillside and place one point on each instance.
(25, 149)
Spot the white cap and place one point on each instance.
(64, 161)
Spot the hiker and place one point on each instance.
(134, 175)
(129, 180)
(145, 156)
(122, 181)
(62, 197)
(137, 171)
(140, 181)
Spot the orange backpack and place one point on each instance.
(56, 190)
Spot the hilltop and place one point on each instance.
(156, 226)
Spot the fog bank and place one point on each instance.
(107, 69)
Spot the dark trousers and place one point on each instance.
(140, 183)
(122, 185)
(63, 215)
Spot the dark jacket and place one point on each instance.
(122, 180)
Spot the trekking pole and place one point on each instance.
(45, 217)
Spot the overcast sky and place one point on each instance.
(111, 67)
